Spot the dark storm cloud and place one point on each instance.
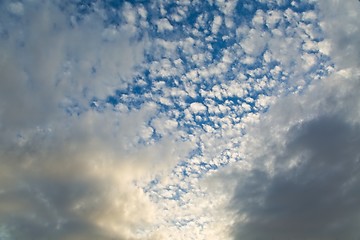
(317, 198)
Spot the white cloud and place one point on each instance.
(309, 16)
(142, 12)
(264, 101)
(255, 42)
(309, 60)
(130, 14)
(216, 24)
(164, 25)
(272, 18)
(165, 126)
(258, 18)
(227, 7)
(324, 47)
(16, 8)
(229, 23)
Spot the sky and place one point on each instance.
(154, 120)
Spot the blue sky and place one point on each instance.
(179, 119)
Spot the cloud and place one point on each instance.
(67, 171)
(52, 59)
(98, 118)
(312, 193)
(302, 156)
(16, 8)
(76, 182)
(216, 24)
(164, 25)
(197, 107)
(254, 43)
(339, 21)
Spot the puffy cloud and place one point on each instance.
(164, 25)
(197, 107)
(216, 24)
(254, 43)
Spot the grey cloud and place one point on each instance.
(317, 198)
(303, 182)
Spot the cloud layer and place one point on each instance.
(179, 120)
